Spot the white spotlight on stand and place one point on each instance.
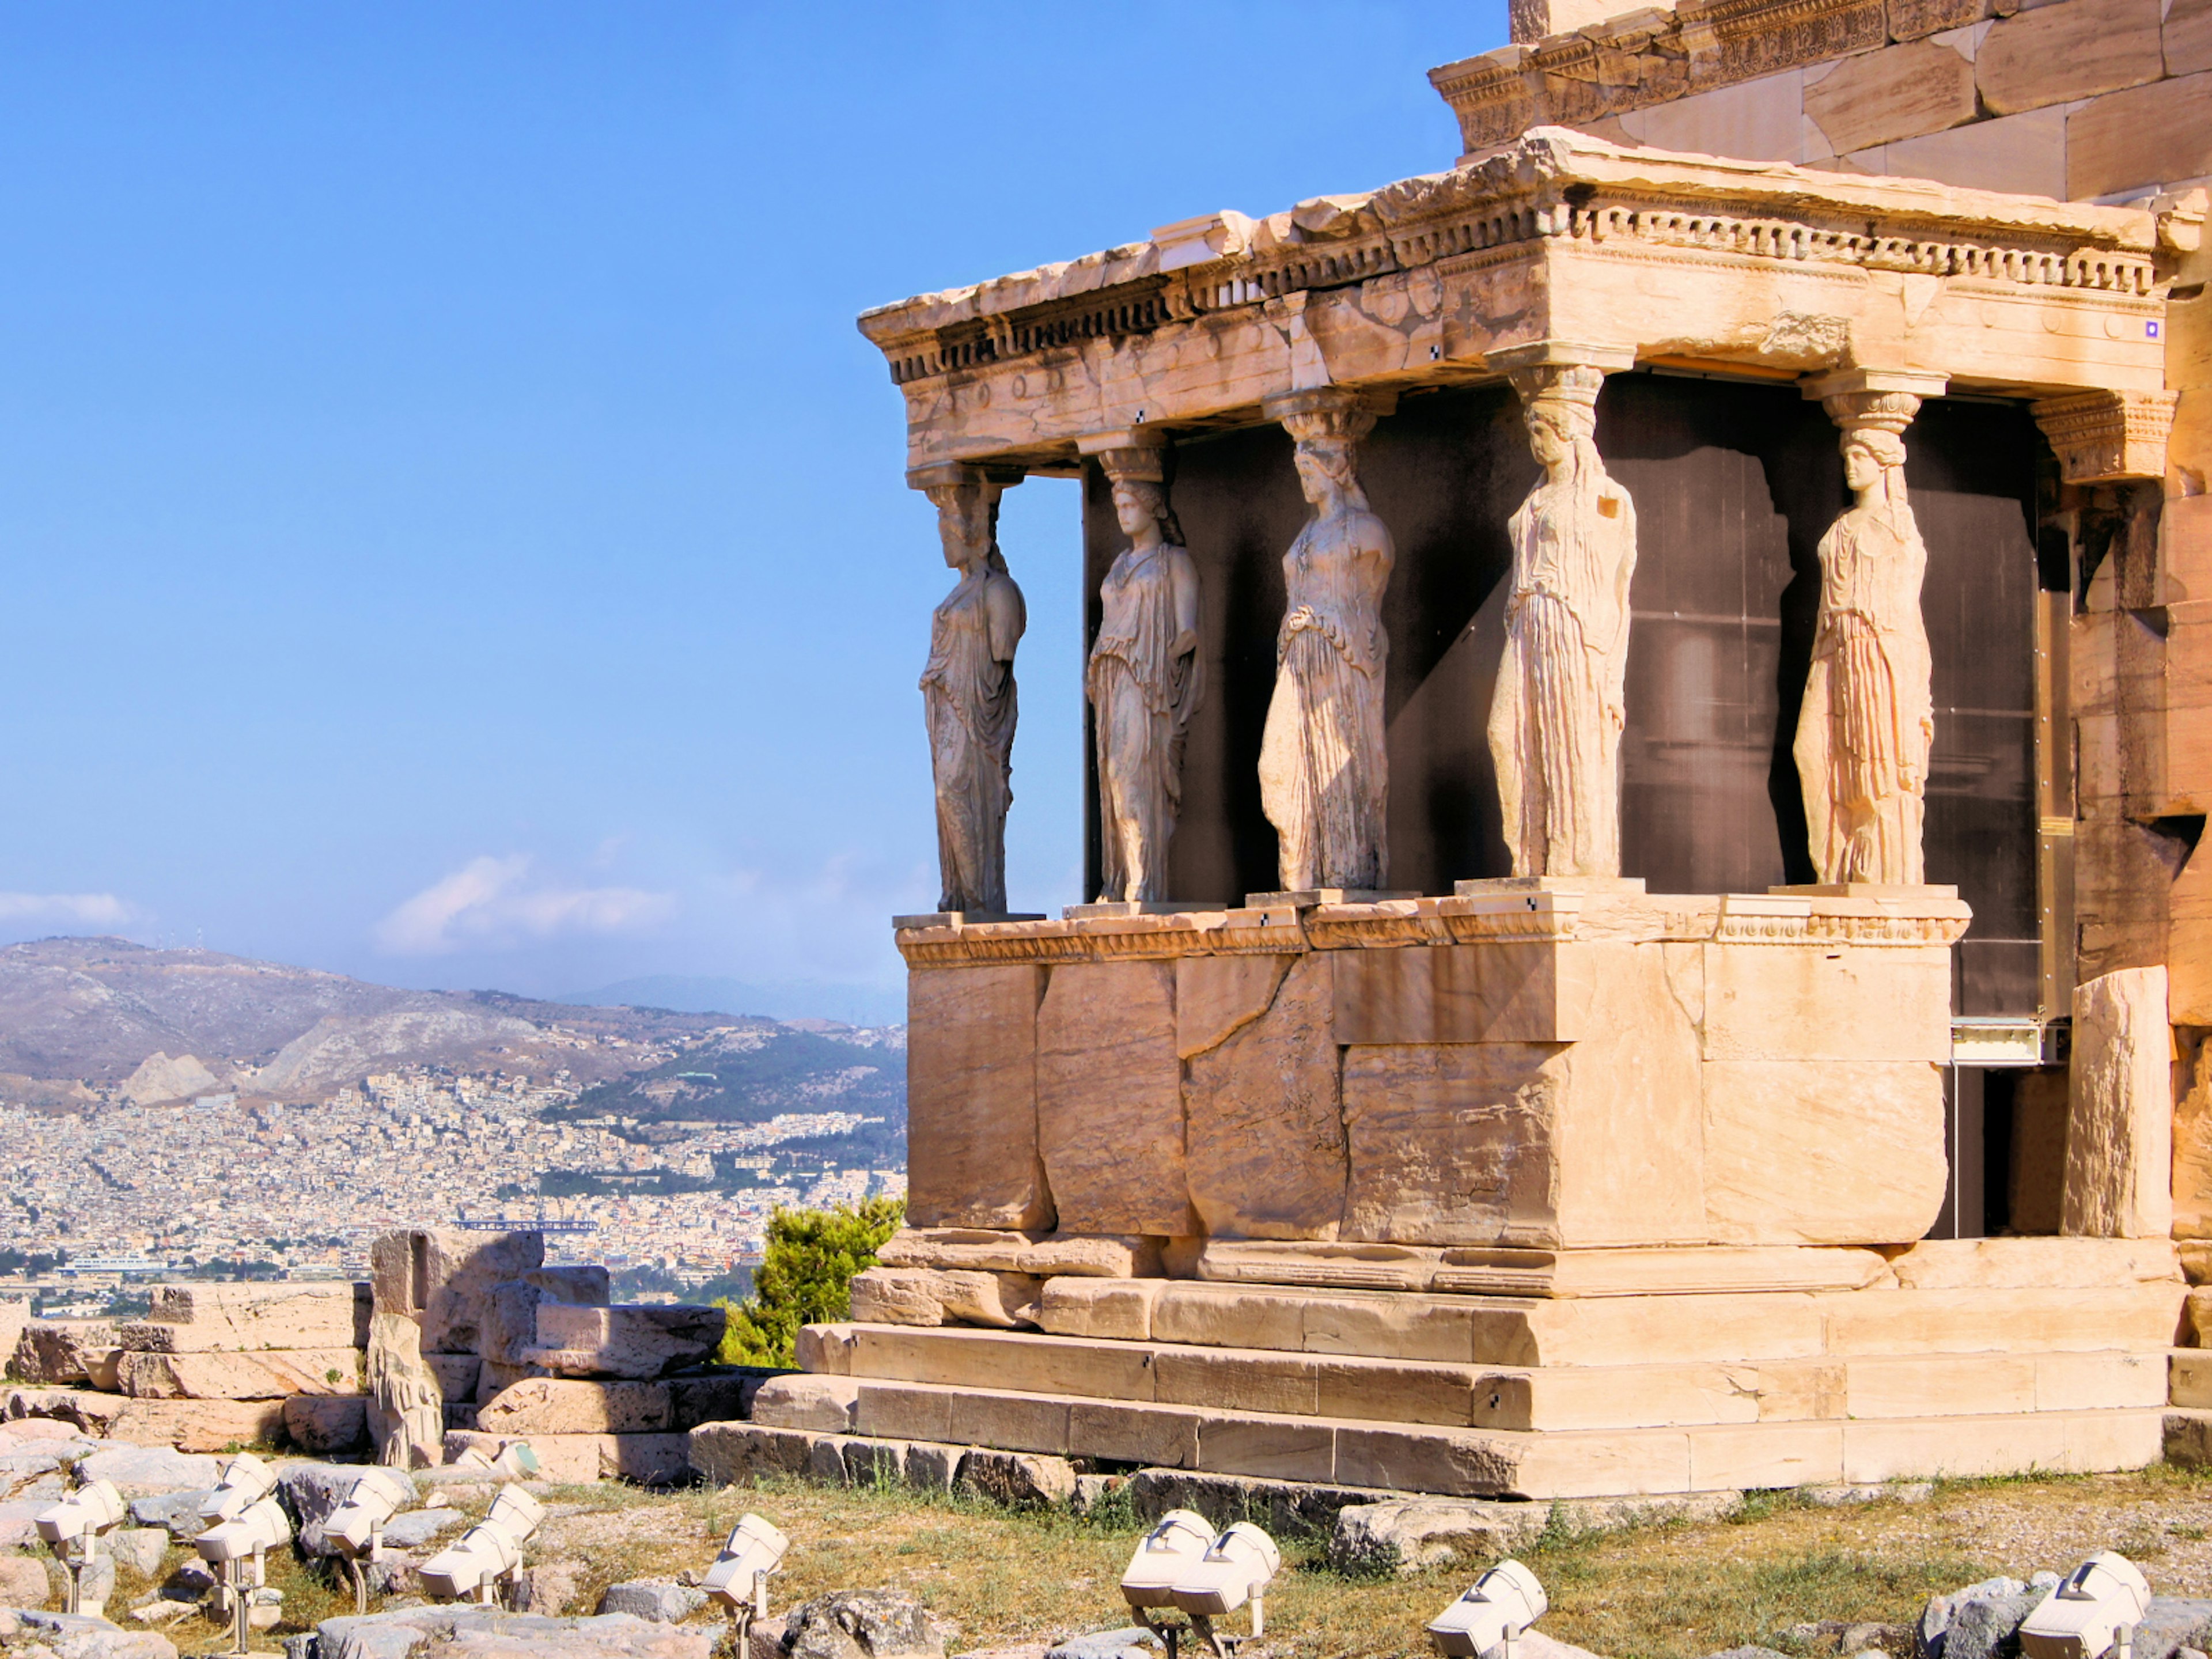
(2087, 1615)
(738, 1579)
(1180, 1540)
(489, 1554)
(1504, 1603)
(245, 1481)
(238, 1550)
(1177, 1567)
(355, 1529)
(73, 1528)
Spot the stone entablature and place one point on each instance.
(1509, 911)
(1560, 237)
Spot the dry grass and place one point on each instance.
(1668, 1590)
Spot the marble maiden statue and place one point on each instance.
(1867, 720)
(1144, 681)
(967, 694)
(1555, 716)
(1324, 772)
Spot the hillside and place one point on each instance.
(84, 1018)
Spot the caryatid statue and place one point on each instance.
(1144, 681)
(1556, 715)
(1324, 772)
(1867, 720)
(968, 693)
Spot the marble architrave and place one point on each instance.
(1558, 235)
(1560, 703)
(1144, 680)
(1868, 723)
(968, 695)
(1324, 769)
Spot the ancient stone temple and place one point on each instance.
(1650, 732)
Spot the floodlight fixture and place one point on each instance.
(73, 1528)
(238, 1550)
(490, 1554)
(2095, 1610)
(1170, 1569)
(355, 1529)
(1181, 1538)
(245, 1481)
(1503, 1603)
(738, 1577)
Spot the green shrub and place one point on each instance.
(805, 1277)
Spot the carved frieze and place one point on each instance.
(2101, 437)
(1648, 57)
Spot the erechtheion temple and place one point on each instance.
(1650, 719)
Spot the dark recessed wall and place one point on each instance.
(1733, 485)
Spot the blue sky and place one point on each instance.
(451, 530)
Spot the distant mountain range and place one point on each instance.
(83, 1016)
(855, 1005)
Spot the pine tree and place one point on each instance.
(805, 1277)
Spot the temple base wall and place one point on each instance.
(1553, 1064)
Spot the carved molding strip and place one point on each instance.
(1422, 223)
(2101, 437)
(1646, 58)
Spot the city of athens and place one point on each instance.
(1424, 878)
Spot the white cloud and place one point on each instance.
(87, 909)
(488, 903)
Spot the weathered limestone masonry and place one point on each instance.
(462, 1342)
(1567, 1184)
(476, 1344)
(210, 1366)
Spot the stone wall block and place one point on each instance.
(971, 1099)
(1814, 1003)
(1901, 92)
(2022, 154)
(2189, 966)
(1452, 1143)
(205, 1318)
(2147, 136)
(2192, 1142)
(550, 1405)
(2119, 1132)
(1915, 20)
(2123, 883)
(638, 1341)
(1216, 996)
(1109, 1099)
(263, 1374)
(1845, 1152)
(2184, 539)
(1265, 1154)
(2188, 36)
(2055, 54)
(443, 1279)
(1511, 992)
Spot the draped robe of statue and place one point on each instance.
(1555, 716)
(1324, 771)
(1142, 696)
(967, 694)
(1864, 730)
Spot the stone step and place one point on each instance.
(1482, 1463)
(1470, 1397)
(1533, 1332)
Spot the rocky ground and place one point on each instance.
(610, 1569)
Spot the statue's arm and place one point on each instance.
(1183, 581)
(1009, 617)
